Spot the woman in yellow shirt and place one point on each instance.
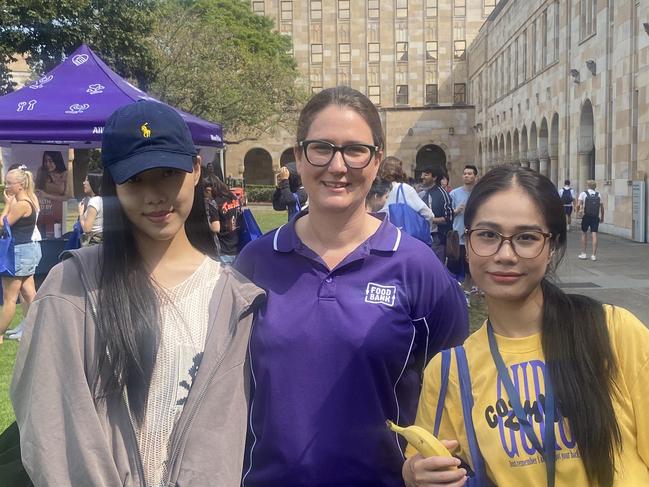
(555, 386)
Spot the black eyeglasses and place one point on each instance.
(320, 153)
(527, 245)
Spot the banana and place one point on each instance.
(423, 441)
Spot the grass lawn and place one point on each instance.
(267, 219)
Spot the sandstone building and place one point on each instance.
(408, 56)
(563, 86)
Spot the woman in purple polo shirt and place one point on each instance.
(355, 309)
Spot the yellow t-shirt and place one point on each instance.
(509, 457)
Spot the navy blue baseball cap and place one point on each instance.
(145, 135)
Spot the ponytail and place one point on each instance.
(26, 179)
(582, 367)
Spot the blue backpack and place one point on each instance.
(477, 478)
(7, 256)
(405, 218)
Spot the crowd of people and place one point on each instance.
(147, 361)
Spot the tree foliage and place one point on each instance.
(218, 60)
(45, 31)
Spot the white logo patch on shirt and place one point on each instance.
(378, 294)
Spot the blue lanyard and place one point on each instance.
(549, 453)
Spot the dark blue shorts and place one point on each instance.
(591, 222)
(568, 209)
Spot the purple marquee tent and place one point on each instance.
(70, 104)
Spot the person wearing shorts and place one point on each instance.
(592, 214)
(21, 211)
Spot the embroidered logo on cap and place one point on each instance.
(146, 131)
(378, 294)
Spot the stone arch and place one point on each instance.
(586, 144)
(544, 153)
(554, 149)
(523, 154)
(287, 156)
(533, 154)
(429, 156)
(258, 167)
(496, 157)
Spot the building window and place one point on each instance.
(459, 50)
(588, 17)
(316, 9)
(373, 9)
(431, 95)
(344, 53)
(343, 9)
(533, 44)
(459, 8)
(287, 10)
(316, 89)
(459, 93)
(488, 7)
(402, 9)
(258, 8)
(544, 39)
(373, 52)
(374, 94)
(316, 53)
(524, 56)
(402, 95)
(431, 8)
(431, 51)
(402, 51)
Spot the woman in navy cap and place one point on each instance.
(355, 309)
(131, 369)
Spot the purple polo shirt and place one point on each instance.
(336, 353)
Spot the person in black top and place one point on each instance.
(290, 194)
(21, 211)
(439, 201)
(224, 214)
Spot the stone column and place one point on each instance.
(534, 164)
(544, 166)
(554, 170)
(583, 160)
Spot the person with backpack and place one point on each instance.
(552, 389)
(439, 201)
(355, 309)
(591, 209)
(567, 195)
(404, 207)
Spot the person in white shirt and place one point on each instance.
(591, 210)
(91, 212)
(392, 171)
(567, 195)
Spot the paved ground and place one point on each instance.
(620, 276)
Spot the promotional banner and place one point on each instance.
(49, 167)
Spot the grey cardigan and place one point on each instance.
(68, 438)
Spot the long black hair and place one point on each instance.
(94, 180)
(127, 314)
(575, 338)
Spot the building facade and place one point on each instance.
(562, 86)
(408, 56)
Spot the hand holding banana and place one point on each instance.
(434, 465)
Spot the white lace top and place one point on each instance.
(184, 322)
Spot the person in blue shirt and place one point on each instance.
(459, 197)
(355, 309)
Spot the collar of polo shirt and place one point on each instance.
(386, 238)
